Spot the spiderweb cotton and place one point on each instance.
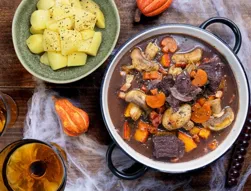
(43, 124)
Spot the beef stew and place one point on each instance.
(171, 98)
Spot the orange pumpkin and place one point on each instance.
(153, 7)
(75, 121)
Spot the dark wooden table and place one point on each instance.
(19, 84)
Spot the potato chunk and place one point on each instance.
(70, 41)
(85, 45)
(64, 24)
(90, 5)
(35, 43)
(44, 59)
(77, 59)
(84, 20)
(51, 41)
(57, 60)
(61, 12)
(100, 19)
(75, 3)
(34, 31)
(45, 4)
(87, 34)
(39, 18)
(96, 42)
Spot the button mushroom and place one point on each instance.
(140, 63)
(139, 98)
(216, 106)
(222, 122)
(151, 51)
(188, 57)
(175, 120)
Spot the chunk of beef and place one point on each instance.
(173, 102)
(183, 89)
(166, 83)
(214, 69)
(167, 147)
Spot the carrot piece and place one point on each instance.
(213, 145)
(153, 75)
(169, 44)
(165, 60)
(194, 131)
(142, 125)
(201, 101)
(193, 74)
(200, 79)
(188, 141)
(204, 133)
(126, 131)
(154, 91)
(201, 114)
(128, 109)
(181, 64)
(156, 101)
(141, 135)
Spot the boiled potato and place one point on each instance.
(35, 43)
(85, 45)
(70, 41)
(44, 59)
(89, 5)
(57, 60)
(34, 31)
(61, 12)
(100, 19)
(51, 41)
(60, 25)
(96, 41)
(77, 59)
(45, 4)
(84, 20)
(87, 34)
(75, 3)
(39, 19)
(58, 3)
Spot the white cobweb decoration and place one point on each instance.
(84, 153)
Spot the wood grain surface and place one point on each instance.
(19, 84)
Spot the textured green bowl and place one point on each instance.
(20, 32)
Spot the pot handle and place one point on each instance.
(231, 25)
(135, 171)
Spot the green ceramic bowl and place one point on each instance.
(20, 32)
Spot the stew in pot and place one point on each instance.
(173, 98)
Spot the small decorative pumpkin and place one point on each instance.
(153, 7)
(75, 121)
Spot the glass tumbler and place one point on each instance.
(8, 112)
(32, 165)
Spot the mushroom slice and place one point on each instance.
(216, 106)
(151, 51)
(188, 57)
(138, 97)
(175, 120)
(140, 63)
(220, 123)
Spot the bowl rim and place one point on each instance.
(106, 83)
(14, 39)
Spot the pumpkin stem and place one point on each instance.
(137, 16)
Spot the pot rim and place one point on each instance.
(195, 163)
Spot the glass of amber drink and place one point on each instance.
(8, 112)
(32, 165)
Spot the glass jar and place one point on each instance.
(32, 165)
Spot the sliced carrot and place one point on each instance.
(193, 74)
(201, 114)
(181, 64)
(165, 60)
(201, 101)
(128, 109)
(154, 91)
(213, 145)
(142, 125)
(188, 141)
(204, 133)
(200, 79)
(156, 101)
(153, 75)
(169, 44)
(194, 131)
(126, 131)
